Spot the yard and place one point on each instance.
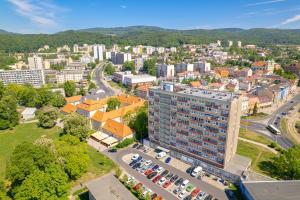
(259, 115)
(250, 135)
(260, 156)
(21, 133)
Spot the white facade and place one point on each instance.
(137, 79)
(160, 50)
(239, 44)
(173, 49)
(69, 75)
(164, 70)
(202, 66)
(230, 43)
(219, 43)
(75, 48)
(87, 59)
(34, 77)
(150, 50)
(35, 62)
(98, 51)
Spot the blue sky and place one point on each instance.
(49, 16)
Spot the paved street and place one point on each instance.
(117, 157)
(259, 126)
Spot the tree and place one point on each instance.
(47, 117)
(27, 96)
(73, 155)
(255, 109)
(140, 123)
(287, 165)
(76, 125)
(70, 88)
(2, 89)
(82, 91)
(9, 117)
(109, 69)
(44, 97)
(49, 184)
(25, 159)
(92, 85)
(129, 66)
(125, 178)
(149, 66)
(112, 104)
(118, 172)
(57, 100)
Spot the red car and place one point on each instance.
(195, 192)
(137, 186)
(156, 179)
(167, 184)
(147, 172)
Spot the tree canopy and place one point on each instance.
(76, 125)
(47, 117)
(112, 104)
(70, 88)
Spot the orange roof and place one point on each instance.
(195, 84)
(259, 64)
(144, 88)
(73, 99)
(123, 98)
(69, 108)
(90, 105)
(117, 129)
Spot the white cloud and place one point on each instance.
(264, 2)
(123, 6)
(40, 12)
(291, 20)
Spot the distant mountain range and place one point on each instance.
(148, 35)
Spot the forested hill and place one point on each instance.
(147, 35)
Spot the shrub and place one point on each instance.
(125, 143)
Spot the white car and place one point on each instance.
(181, 194)
(148, 162)
(184, 183)
(161, 181)
(159, 170)
(161, 155)
(135, 157)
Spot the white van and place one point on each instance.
(184, 183)
(161, 155)
(196, 171)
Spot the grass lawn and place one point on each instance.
(99, 165)
(260, 156)
(9, 139)
(250, 135)
(257, 116)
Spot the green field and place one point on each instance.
(250, 135)
(260, 156)
(21, 133)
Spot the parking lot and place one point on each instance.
(168, 180)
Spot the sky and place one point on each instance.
(50, 16)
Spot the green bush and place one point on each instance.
(273, 145)
(125, 143)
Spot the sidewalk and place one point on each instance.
(259, 144)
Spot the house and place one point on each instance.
(69, 108)
(28, 113)
(222, 72)
(74, 100)
(187, 75)
(117, 130)
(265, 66)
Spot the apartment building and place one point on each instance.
(120, 58)
(164, 70)
(35, 62)
(35, 77)
(202, 66)
(198, 126)
(69, 75)
(98, 51)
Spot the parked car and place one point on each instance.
(167, 184)
(209, 197)
(161, 155)
(137, 186)
(184, 183)
(176, 190)
(179, 182)
(159, 169)
(190, 169)
(195, 192)
(164, 173)
(113, 150)
(150, 176)
(168, 160)
(196, 171)
(201, 196)
(155, 167)
(135, 157)
(135, 145)
(188, 197)
(174, 178)
(137, 165)
(147, 172)
(161, 181)
(148, 162)
(169, 176)
(153, 196)
(156, 179)
(190, 187)
(181, 194)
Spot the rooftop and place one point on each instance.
(238, 164)
(273, 190)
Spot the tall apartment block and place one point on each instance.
(98, 51)
(198, 126)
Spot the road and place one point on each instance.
(117, 157)
(98, 79)
(259, 126)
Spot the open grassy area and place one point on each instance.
(9, 139)
(250, 135)
(257, 116)
(260, 156)
(99, 165)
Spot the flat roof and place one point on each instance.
(273, 190)
(100, 135)
(238, 165)
(29, 111)
(109, 140)
(108, 188)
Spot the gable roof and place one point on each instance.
(195, 84)
(73, 99)
(259, 64)
(118, 129)
(69, 108)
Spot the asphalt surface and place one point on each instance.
(117, 157)
(98, 76)
(260, 126)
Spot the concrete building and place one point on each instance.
(98, 51)
(164, 70)
(139, 63)
(120, 58)
(219, 43)
(239, 44)
(35, 77)
(75, 48)
(173, 49)
(202, 66)
(230, 43)
(119, 77)
(150, 50)
(198, 126)
(35, 62)
(182, 67)
(69, 75)
(160, 50)
(263, 66)
(137, 80)
(28, 113)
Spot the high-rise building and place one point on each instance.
(230, 43)
(35, 62)
(98, 51)
(202, 66)
(34, 77)
(219, 43)
(75, 48)
(239, 43)
(164, 70)
(198, 126)
(120, 58)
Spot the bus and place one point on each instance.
(273, 129)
